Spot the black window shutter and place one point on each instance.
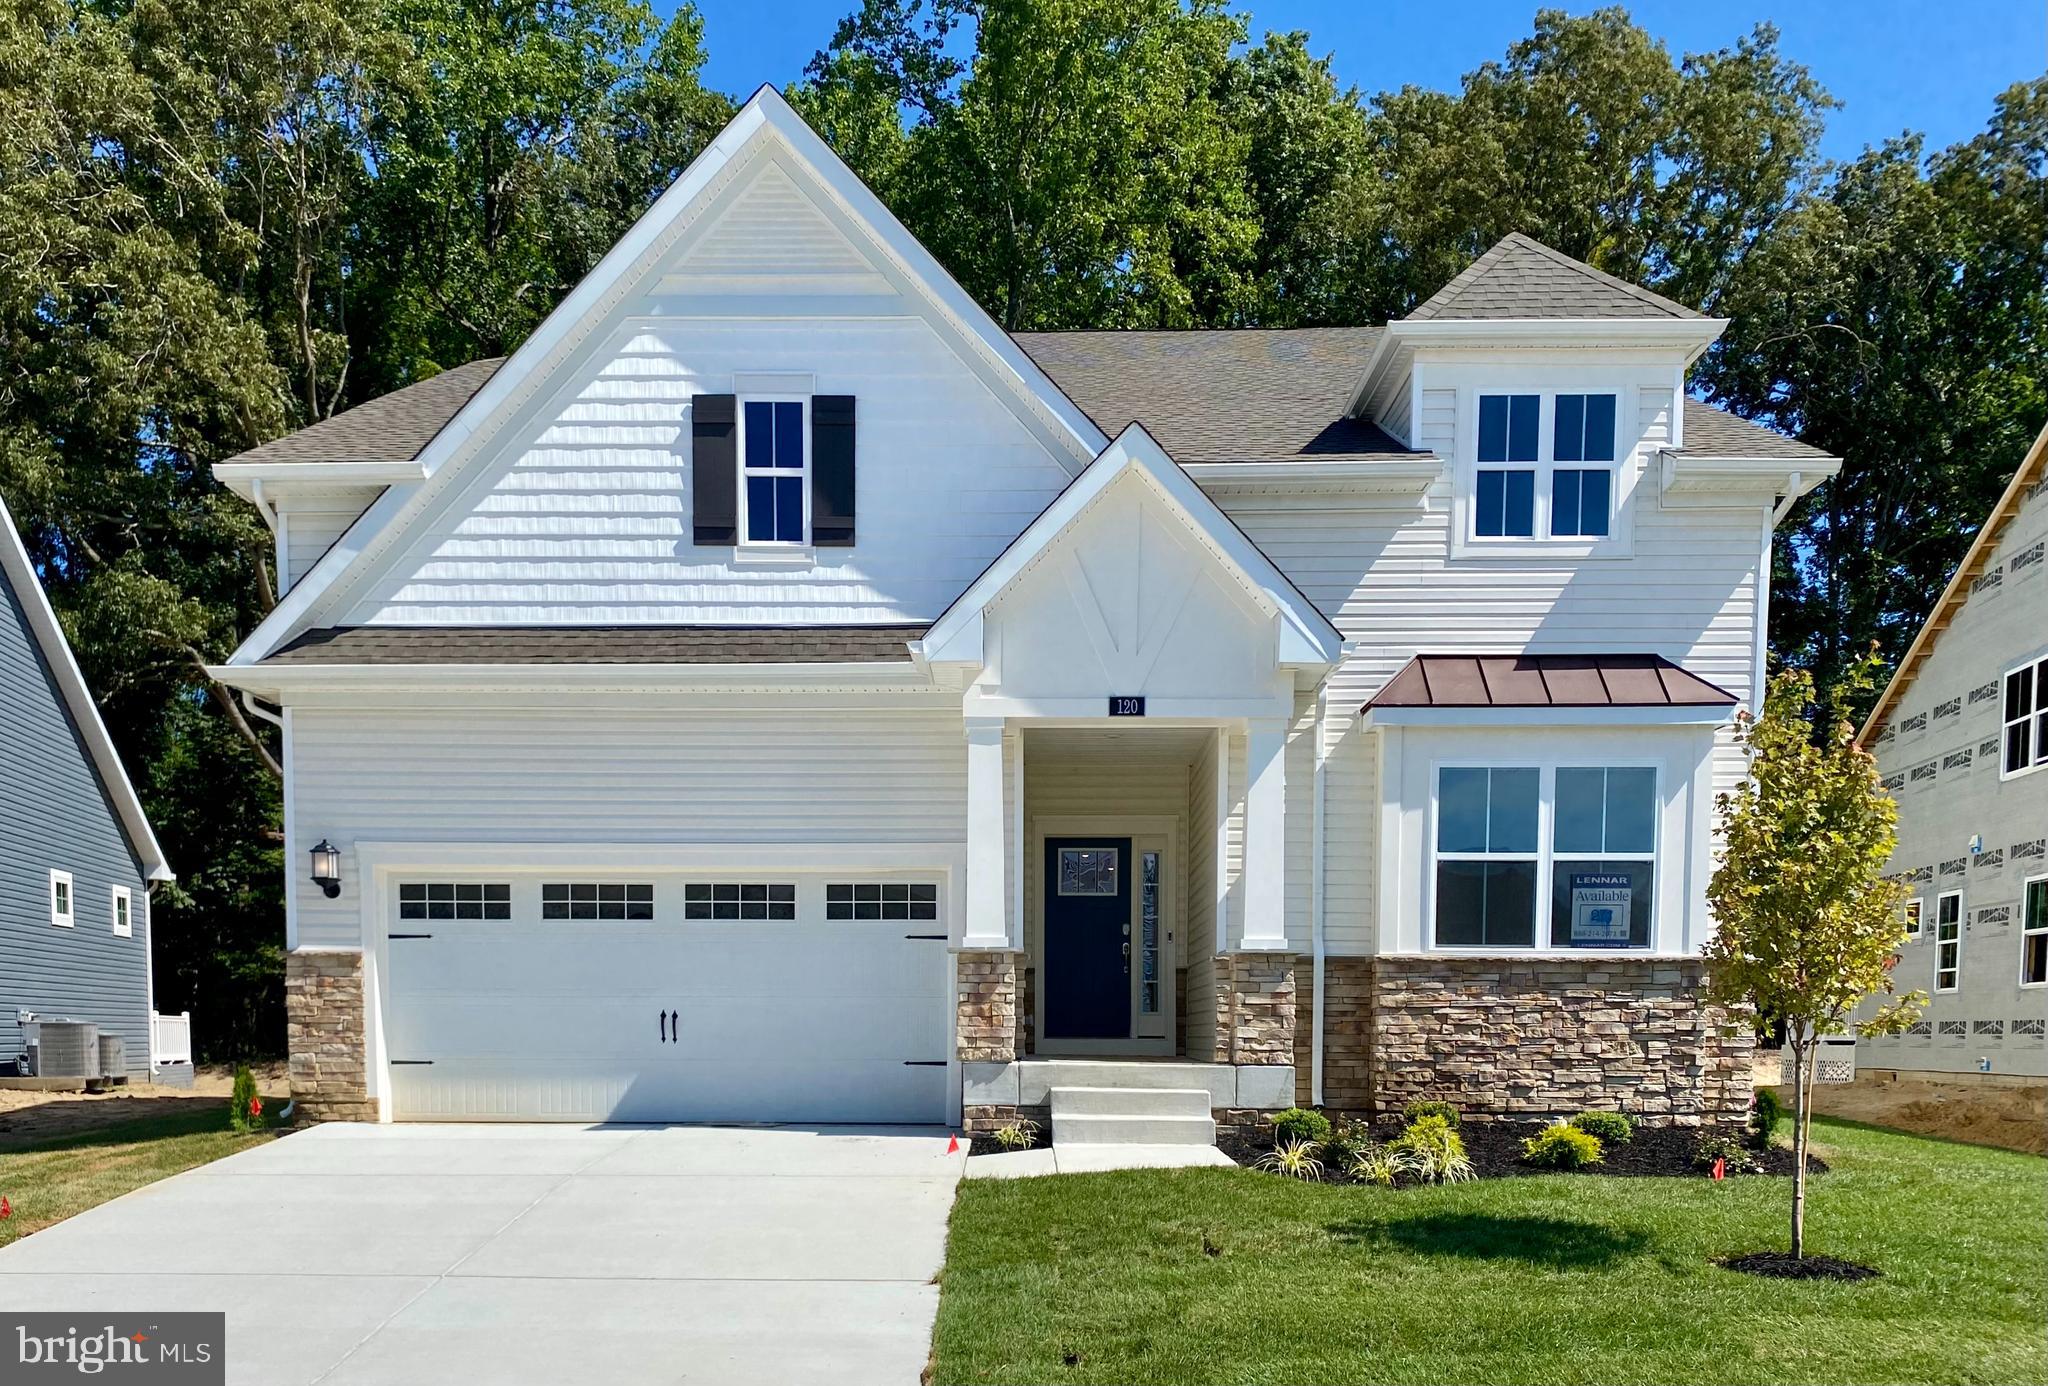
(832, 471)
(714, 470)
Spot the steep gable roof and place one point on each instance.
(766, 130)
(20, 575)
(2032, 474)
(1521, 278)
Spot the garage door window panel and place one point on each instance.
(597, 900)
(891, 900)
(418, 900)
(739, 900)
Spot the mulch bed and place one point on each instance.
(1780, 1265)
(1496, 1151)
(985, 1144)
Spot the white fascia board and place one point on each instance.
(85, 713)
(1498, 718)
(1306, 635)
(765, 116)
(275, 679)
(251, 480)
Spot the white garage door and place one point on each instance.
(651, 999)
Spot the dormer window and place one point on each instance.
(1546, 467)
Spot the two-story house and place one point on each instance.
(775, 692)
(1961, 738)
(77, 857)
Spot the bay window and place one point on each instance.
(1555, 856)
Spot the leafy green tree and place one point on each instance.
(1075, 170)
(1808, 926)
(1895, 321)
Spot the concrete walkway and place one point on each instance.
(1092, 1159)
(511, 1254)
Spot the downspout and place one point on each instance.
(1787, 501)
(1316, 900)
(270, 717)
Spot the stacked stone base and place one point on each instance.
(323, 1000)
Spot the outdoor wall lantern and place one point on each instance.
(327, 868)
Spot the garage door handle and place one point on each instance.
(661, 1020)
(924, 1063)
(940, 937)
(409, 935)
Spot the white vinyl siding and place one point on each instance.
(702, 776)
(313, 520)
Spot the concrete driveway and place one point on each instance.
(509, 1254)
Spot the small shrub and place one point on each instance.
(1562, 1146)
(1764, 1118)
(1295, 1159)
(1427, 1107)
(1435, 1153)
(1716, 1146)
(1295, 1124)
(245, 1108)
(1611, 1127)
(1342, 1145)
(1018, 1135)
(1374, 1163)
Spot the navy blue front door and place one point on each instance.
(1087, 976)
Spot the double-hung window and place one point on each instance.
(775, 471)
(2026, 718)
(1948, 941)
(123, 912)
(1546, 466)
(63, 909)
(1528, 856)
(2034, 932)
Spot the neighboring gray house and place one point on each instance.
(1961, 737)
(76, 853)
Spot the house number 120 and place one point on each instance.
(1127, 707)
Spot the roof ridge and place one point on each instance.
(1518, 241)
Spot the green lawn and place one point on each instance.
(1230, 1276)
(56, 1179)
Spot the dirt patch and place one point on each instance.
(2014, 1118)
(27, 1118)
(1781, 1266)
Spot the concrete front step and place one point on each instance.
(1037, 1077)
(1092, 1128)
(1132, 1102)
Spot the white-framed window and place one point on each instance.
(1545, 856)
(911, 901)
(1948, 940)
(2025, 689)
(123, 908)
(1910, 913)
(455, 900)
(728, 900)
(775, 471)
(596, 900)
(2034, 932)
(63, 907)
(1546, 466)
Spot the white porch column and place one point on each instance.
(1265, 836)
(987, 894)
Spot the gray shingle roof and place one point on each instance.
(1249, 395)
(390, 428)
(600, 645)
(1711, 432)
(1523, 278)
(1548, 680)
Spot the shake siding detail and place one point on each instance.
(614, 775)
(55, 814)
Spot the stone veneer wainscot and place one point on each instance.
(323, 1003)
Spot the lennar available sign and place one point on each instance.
(168, 1349)
(1601, 903)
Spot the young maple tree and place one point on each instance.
(1809, 926)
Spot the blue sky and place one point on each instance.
(1928, 65)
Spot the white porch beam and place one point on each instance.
(987, 895)
(1265, 836)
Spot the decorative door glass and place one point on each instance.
(1088, 870)
(1148, 933)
